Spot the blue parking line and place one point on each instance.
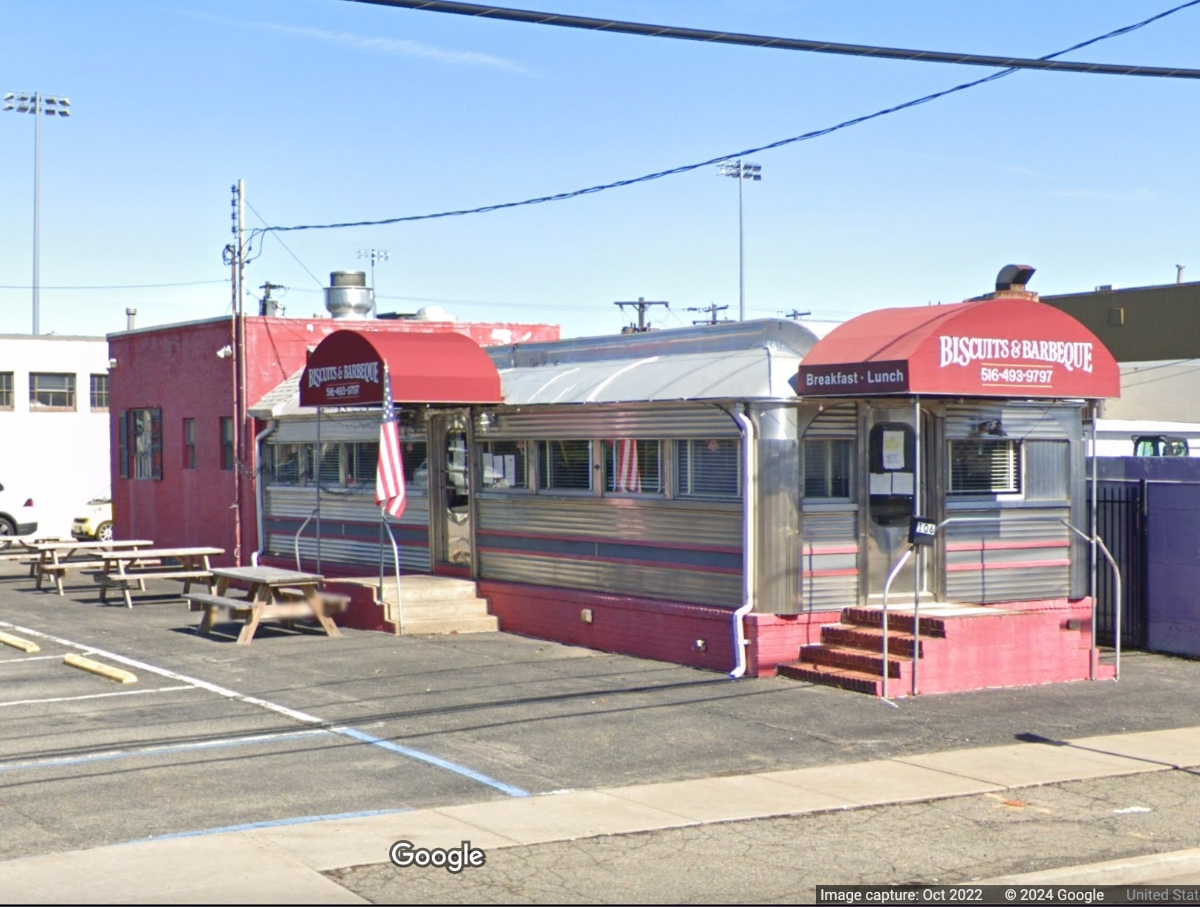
(272, 823)
(432, 760)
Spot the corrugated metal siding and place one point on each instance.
(587, 421)
(1021, 421)
(839, 421)
(1047, 470)
(357, 426)
(1009, 572)
(340, 514)
(543, 527)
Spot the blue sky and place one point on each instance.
(335, 111)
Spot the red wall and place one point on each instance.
(175, 368)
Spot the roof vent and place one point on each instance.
(1014, 277)
(348, 298)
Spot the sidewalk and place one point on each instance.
(284, 863)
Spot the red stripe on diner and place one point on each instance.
(847, 571)
(697, 568)
(1008, 565)
(607, 540)
(984, 545)
(807, 549)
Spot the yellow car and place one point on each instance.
(96, 524)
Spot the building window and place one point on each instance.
(709, 468)
(985, 466)
(227, 442)
(49, 391)
(565, 465)
(827, 469)
(99, 393)
(633, 467)
(413, 454)
(123, 444)
(189, 443)
(504, 465)
(6, 390)
(146, 427)
(286, 465)
(362, 462)
(326, 466)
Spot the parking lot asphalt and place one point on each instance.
(296, 725)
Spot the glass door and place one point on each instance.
(450, 490)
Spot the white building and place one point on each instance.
(54, 430)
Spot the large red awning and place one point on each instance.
(1009, 346)
(347, 369)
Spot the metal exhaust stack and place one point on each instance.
(347, 298)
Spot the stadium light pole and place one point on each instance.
(741, 170)
(35, 103)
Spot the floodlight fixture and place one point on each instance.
(741, 170)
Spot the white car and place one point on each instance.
(16, 514)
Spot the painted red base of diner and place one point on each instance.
(697, 635)
(776, 638)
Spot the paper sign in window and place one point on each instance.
(893, 450)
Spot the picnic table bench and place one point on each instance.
(273, 594)
(53, 558)
(121, 569)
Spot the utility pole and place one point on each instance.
(1179, 273)
(795, 315)
(239, 360)
(267, 305)
(712, 313)
(641, 305)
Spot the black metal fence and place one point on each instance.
(1121, 522)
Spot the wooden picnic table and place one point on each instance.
(122, 568)
(53, 557)
(272, 594)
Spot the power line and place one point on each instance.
(686, 168)
(620, 27)
(128, 286)
(290, 252)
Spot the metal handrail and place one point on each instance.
(296, 543)
(1093, 539)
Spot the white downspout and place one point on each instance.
(259, 496)
(749, 494)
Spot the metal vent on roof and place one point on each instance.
(348, 297)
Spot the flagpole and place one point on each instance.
(396, 557)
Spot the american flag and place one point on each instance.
(389, 475)
(629, 476)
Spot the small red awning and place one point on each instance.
(347, 369)
(1009, 346)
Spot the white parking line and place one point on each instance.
(94, 696)
(6, 661)
(295, 715)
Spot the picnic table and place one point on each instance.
(121, 569)
(54, 557)
(272, 594)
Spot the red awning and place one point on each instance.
(1010, 346)
(347, 369)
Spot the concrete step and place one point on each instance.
(846, 679)
(419, 587)
(870, 639)
(426, 609)
(425, 627)
(855, 660)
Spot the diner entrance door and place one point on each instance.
(892, 479)
(450, 491)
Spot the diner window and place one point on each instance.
(49, 391)
(100, 393)
(6, 390)
(189, 443)
(146, 428)
(709, 468)
(827, 468)
(633, 467)
(227, 454)
(564, 465)
(362, 462)
(325, 465)
(286, 464)
(504, 465)
(984, 466)
(416, 467)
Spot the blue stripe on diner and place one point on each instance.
(617, 551)
(359, 532)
